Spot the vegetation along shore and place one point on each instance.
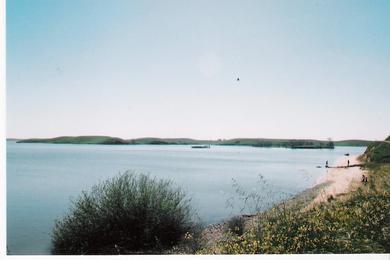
(348, 211)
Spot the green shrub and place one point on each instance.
(127, 214)
(236, 225)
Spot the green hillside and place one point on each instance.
(176, 141)
(288, 143)
(377, 152)
(352, 143)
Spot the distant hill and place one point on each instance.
(13, 139)
(256, 142)
(76, 140)
(352, 143)
(288, 143)
(177, 141)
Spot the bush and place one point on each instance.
(126, 214)
(236, 225)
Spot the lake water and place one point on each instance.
(42, 178)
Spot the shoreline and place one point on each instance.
(339, 179)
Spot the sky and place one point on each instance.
(307, 69)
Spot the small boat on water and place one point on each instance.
(200, 146)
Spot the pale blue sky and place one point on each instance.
(307, 69)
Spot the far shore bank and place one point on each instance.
(254, 142)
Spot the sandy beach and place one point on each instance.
(341, 179)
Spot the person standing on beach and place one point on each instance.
(364, 179)
(348, 163)
(326, 164)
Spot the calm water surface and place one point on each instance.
(42, 178)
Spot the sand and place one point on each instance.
(340, 180)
